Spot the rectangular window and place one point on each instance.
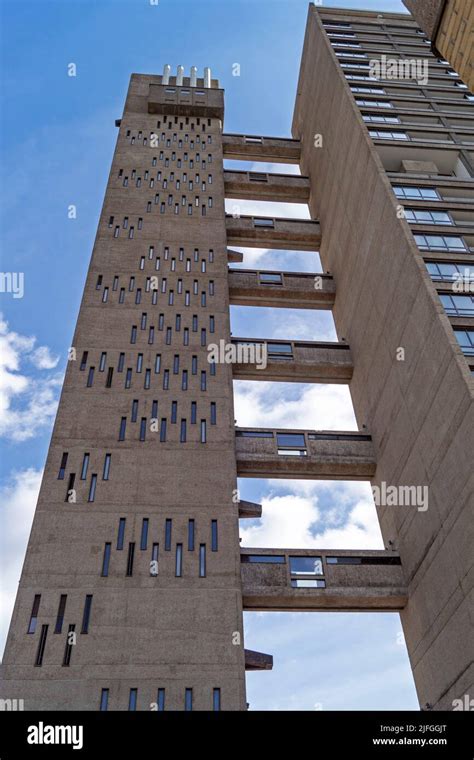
(214, 538)
(216, 700)
(176, 364)
(92, 488)
(90, 377)
(213, 413)
(128, 378)
(41, 646)
(130, 557)
(143, 429)
(179, 561)
(306, 566)
(85, 354)
(203, 431)
(106, 561)
(174, 412)
(134, 414)
(104, 700)
(272, 559)
(193, 412)
(188, 700)
(184, 380)
(34, 614)
(168, 524)
(133, 335)
(123, 425)
(69, 645)
(190, 535)
(60, 614)
(202, 560)
(121, 533)
(62, 467)
(70, 486)
(132, 700)
(107, 461)
(110, 374)
(87, 614)
(144, 535)
(157, 364)
(166, 379)
(161, 700)
(163, 430)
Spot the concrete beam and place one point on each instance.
(321, 580)
(304, 454)
(281, 150)
(249, 509)
(263, 186)
(268, 232)
(257, 660)
(303, 362)
(288, 290)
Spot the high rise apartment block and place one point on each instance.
(134, 583)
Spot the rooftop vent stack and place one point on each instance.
(207, 77)
(193, 80)
(179, 76)
(166, 74)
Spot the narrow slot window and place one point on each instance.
(202, 560)
(130, 557)
(41, 646)
(144, 534)
(86, 617)
(179, 561)
(121, 533)
(106, 471)
(34, 614)
(92, 488)
(106, 561)
(168, 526)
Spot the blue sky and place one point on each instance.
(57, 139)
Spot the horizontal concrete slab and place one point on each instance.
(288, 290)
(268, 232)
(263, 186)
(304, 454)
(280, 150)
(315, 580)
(293, 361)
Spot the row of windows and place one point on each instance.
(160, 703)
(193, 163)
(157, 363)
(441, 243)
(168, 331)
(39, 657)
(153, 567)
(368, 90)
(158, 286)
(174, 138)
(465, 338)
(58, 626)
(147, 375)
(440, 270)
(191, 183)
(458, 305)
(191, 536)
(161, 427)
(174, 412)
(85, 466)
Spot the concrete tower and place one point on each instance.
(134, 582)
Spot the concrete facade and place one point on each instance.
(450, 26)
(134, 582)
(419, 410)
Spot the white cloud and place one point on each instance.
(293, 405)
(18, 500)
(42, 358)
(26, 403)
(302, 518)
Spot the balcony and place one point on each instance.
(269, 232)
(287, 290)
(292, 361)
(304, 454)
(316, 580)
(281, 150)
(186, 101)
(262, 186)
